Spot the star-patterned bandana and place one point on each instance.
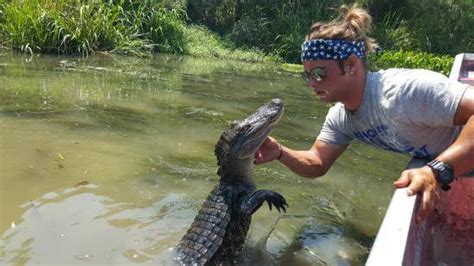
(321, 49)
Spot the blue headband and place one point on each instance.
(321, 49)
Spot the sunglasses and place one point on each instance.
(317, 73)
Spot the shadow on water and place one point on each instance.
(107, 159)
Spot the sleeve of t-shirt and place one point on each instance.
(332, 130)
(432, 99)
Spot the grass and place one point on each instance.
(202, 42)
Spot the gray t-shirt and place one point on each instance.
(402, 110)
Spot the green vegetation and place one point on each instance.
(432, 26)
(255, 31)
(404, 59)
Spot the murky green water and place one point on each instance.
(106, 160)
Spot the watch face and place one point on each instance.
(446, 176)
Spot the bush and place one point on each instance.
(443, 27)
(435, 26)
(403, 59)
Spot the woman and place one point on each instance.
(418, 112)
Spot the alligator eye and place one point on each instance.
(244, 128)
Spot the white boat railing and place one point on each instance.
(400, 240)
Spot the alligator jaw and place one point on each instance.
(251, 132)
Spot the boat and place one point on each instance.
(444, 238)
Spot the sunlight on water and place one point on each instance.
(107, 160)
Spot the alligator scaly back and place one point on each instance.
(221, 225)
(207, 231)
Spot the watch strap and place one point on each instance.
(439, 166)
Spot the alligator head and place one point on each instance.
(238, 144)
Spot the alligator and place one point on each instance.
(220, 228)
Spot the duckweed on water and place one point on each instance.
(25, 101)
(178, 167)
(54, 103)
(120, 117)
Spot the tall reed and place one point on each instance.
(82, 27)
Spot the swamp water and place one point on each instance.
(106, 160)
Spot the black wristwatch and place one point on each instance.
(444, 173)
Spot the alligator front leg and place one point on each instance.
(254, 201)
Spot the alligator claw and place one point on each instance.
(258, 197)
(277, 200)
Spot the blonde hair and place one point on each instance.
(353, 24)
